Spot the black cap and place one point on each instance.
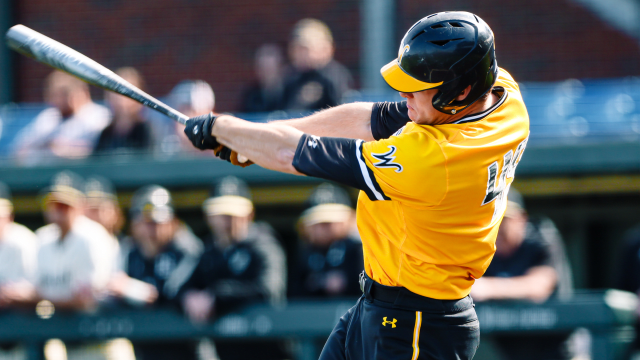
(327, 203)
(328, 194)
(6, 204)
(230, 186)
(66, 187)
(152, 202)
(98, 188)
(229, 196)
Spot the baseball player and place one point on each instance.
(434, 171)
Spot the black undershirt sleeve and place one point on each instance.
(387, 118)
(339, 160)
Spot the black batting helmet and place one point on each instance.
(447, 51)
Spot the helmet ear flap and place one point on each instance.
(480, 81)
(444, 99)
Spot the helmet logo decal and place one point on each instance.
(403, 51)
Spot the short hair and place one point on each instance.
(132, 75)
(308, 31)
(60, 79)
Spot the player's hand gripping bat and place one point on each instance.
(46, 50)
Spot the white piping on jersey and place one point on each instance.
(365, 172)
(484, 113)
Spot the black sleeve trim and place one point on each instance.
(337, 159)
(387, 118)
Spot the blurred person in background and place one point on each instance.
(329, 264)
(75, 260)
(76, 255)
(102, 207)
(315, 81)
(129, 131)
(628, 273)
(243, 263)
(157, 265)
(69, 128)
(529, 264)
(18, 246)
(192, 98)
(265, 95)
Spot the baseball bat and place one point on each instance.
(46, 50)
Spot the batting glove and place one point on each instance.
(198, 130)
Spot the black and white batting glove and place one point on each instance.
(198, 130)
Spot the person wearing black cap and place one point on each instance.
(18, 246)
(243, 263)
(77, 255)
(156, 266)
(249, 262)
(157, 257)
(529, 264)
(330, 262)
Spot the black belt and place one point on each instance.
(403, 298)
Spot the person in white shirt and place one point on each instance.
(77, 255)
(69, 128)
(18, 247)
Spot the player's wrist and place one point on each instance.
(198, 129)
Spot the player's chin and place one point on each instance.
(413, 114)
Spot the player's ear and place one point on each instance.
(463, 95)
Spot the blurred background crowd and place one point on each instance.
(105, 205)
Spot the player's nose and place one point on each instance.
(406, 95)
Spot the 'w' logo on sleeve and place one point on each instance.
(386, 160)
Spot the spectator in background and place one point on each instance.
(102, 207)
(316, 80)
(76, 255)
(243, 263)
(129, 131)
(529, 264)
(330, 262)
(192, 98)
(69, 128)
(157, 266)
(265, 95)
(628, 275)
(629, 271)
(18, 246)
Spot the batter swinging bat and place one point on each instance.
(46, 50)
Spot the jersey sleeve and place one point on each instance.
(387, 118)
(411, 168)
(406, 167)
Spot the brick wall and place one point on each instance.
(214, 40)
(172, 40)
(543, 40)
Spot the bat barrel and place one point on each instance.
(44, 49)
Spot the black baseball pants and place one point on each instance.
(392, 323)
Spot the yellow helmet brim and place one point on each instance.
(403, 82)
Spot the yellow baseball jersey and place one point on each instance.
(439, 197)
(432, 196)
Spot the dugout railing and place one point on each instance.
(609, 316)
